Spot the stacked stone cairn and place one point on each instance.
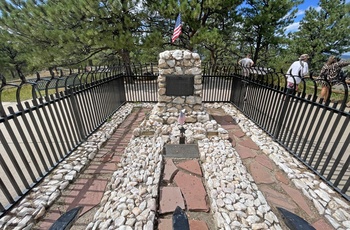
(181, 63)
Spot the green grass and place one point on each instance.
(337, 95)
(8, 94)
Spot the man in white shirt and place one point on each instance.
(297, 71)
(246, 63)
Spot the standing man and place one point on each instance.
(297, 71)
(246, 63)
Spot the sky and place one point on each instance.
(301, 13)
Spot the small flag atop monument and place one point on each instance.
(177, 29)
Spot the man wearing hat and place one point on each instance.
(297, 71)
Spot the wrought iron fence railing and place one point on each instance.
(37, 134)
(315, 131)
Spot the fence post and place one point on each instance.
(282, 115)
(75, 113)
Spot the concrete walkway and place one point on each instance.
(182, 183)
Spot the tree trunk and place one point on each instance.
(125, 54)
(213, 61)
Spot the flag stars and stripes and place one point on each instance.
(178, 29)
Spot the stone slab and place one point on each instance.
(193, 191)
(198, 225)
(169, 170)
(192, 166)
(181, 151)
(169, 199)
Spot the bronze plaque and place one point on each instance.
(179, 85)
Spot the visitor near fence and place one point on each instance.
(246, 63)
(331, 72)
(297, 71)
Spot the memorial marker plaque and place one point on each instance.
(181, 151)
(179, 85)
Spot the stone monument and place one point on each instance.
(180, 88)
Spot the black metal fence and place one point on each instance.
(37, 134)
(315, 131)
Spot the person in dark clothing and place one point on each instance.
(330, 72)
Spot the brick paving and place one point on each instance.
(89, 188)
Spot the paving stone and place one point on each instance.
(265, 161)
(249, 144)
(102, 152)
(193, 190)
(169, 199)
(198, 225)
(101, 168)
(322, 225)
(225, 120)
(191, 166)
(280, 176)
(239, 133)
(261, 174)
(232, 139)
(165, 224)
(284, 203)
(51, 217)
(245, 152)
(298, 198)
(277, 198)
(170, 170)
(107, 157)
(229, 127)
(87, 193)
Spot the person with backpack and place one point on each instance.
(331, 71)
(296, 72)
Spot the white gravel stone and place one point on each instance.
(346, 224)
(119, 221)
(319, 207)
(333, 222)
(322, 194)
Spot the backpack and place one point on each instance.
(342, 75)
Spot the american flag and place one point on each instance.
(182, 117)
(177, 30)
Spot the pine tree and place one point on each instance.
(207, 25)
(69, 32)
(263, 27)
(323, 31)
